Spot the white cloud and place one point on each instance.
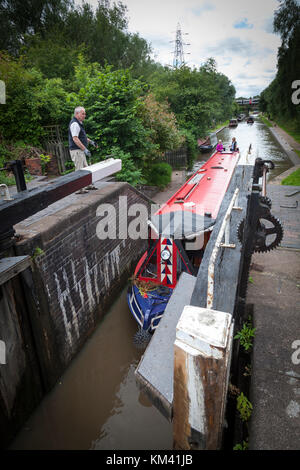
(210, 26)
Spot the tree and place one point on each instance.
(31, 102)
(21, 18)
(287, 24)
(197, 97)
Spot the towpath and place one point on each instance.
(287, 143)
(275, 295)
(177, 180)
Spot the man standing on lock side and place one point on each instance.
(78, 143)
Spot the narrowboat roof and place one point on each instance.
(194, 207)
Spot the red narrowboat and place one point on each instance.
(178, 234)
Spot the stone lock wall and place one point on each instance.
(75, 276)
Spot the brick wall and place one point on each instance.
(77, 276)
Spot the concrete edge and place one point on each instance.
(293, 156)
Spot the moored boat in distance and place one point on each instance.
(177, 236)
(233, 122)
(209, 144)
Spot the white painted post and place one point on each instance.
(202, 356)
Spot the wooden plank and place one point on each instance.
(202, 352)
(30, 202)
(12, 266)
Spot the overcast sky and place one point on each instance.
(237, 33)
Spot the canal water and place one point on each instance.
(262, 142)
(97, 404)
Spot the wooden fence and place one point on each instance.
(53, 143)
(176, 158)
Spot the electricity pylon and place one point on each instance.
(178, 59)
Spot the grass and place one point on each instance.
(222, 124)
(266, 121)
(291, 128)
(293, 179)
(10, 180)
(297, 151)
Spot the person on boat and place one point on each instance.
(233, 146)
(220, 147)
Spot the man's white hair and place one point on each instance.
(78, 109)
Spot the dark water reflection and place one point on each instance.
(263, 145)
(97, 404)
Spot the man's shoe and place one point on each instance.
(81, 191)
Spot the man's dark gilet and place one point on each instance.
(82, 136)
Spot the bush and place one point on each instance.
(112, 105)
(8, 180)
(129, 172)
(159, 175)
(31, 102)
(161, 122)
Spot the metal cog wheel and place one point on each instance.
(269, 233)
(266, 200)
(240, 230)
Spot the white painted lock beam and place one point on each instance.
(202, 356)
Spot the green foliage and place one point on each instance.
(44, 160)
(8, 180)
(243, 446)
(245, 335)
(59, 59)
(51, 32)
(244, 407)
(159, 175)
(161, 123)
(199, 98)
(129, 172)
(37, 252)
(111, 102)
(70, 166)
(265, 121)
(22, 18)
(293, 179)
(276, 100)
(20, 118)
(31, 102)
(52, 55)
